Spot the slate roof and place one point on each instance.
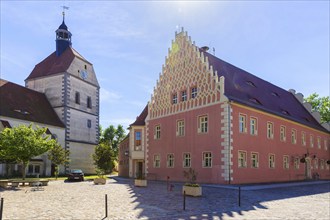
(22, 103)
(55, 64)
(247, 89)
(140, 120)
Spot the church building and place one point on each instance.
(228, 125)
(68, 83)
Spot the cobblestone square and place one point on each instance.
(84, 200)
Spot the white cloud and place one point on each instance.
(107, 96)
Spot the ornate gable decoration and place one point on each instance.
(187, 80)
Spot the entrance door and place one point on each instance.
(139, 173)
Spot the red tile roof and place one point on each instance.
(140, 120)
(22, 103)
(55, 64)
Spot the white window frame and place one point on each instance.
(293, 136)
(170, 160)
(207, 160)
(242, 159)
(318, 142)
(311, 141)
(186, 160)
(303, 138)
(254, 160)
(296, 163)
(184, 96)
(193, 92)
(286, 162)
(174, 98)
(270, 130)
(282, 133)
(180, 127)
(157, 132)
(156, 161)
(203, 124)
(242, 123)
(253, 126)
(271, 161)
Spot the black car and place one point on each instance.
(76, 174)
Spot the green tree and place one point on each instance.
(59, 156)
(112, 136)
(320, 104)
(103, 158)
(23, 143)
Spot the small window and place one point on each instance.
(319, 142)
(296, 163)
(30, 168)
(293, 136)
(157, 161)
(242, 159)
(242, 123)
(207, 159)
(174, 98)
(254, 160)
(137, 140)
(180, 128)
(184, 95)
(271, 160)
(270, 130)
(85, 67)
(37, 169)
(303, 138)
(170, 160)
(285, 162)
(89, 123)
(89, 102)
(203, 124)
(311, 140)
(254, 100)
(193, 92)
(253, 126)
(282, 133)
(77, 98)
(157, 132)
(186, 160)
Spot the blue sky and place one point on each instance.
(283, 42)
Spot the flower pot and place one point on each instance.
(101, 181)
(139, 182)
(192, 190)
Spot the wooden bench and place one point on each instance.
(4, 183)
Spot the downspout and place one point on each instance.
(229, 137)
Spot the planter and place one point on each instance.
(139, 182)
(101, 181)
(192, 190)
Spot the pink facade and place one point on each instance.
(230, 126)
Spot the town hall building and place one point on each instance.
(61, 93)
(228, 125)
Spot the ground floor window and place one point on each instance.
(271, 159)
(296, 163)
(156, 160)
(241, 159)
(254, 160)
(285, 162)
(34, 169)
(207, 159)
(170, 160)
(186, 160)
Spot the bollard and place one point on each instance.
(168, 183)
(239, 196)
(1, 208)
(184, 200)
(106, 205)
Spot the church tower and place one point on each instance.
(70, 84)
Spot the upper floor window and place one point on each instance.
(89, 102)
(203, 124)
(316, 163)
(89, 123)
(184, 95)
(253, 126)
(170, 160)
(242, 159)
(303, 138)
(285, 162)
(311, 140)
(242, 123)
(174, 98)
(207, 159)
(156, 160)
(180, 128)
(271, 160)
(157, 132)
(322, 164)
(270, 130)
(186, 160)
(254, 160)
(138, 138)
(193, 92)
(325, 144)
(77, 98)
(283, 133)
(319, 142)
(293, 136)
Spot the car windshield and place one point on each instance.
(76, 171)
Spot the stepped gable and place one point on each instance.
(55, 64)
(247, 89)
(22, 103)
(140, 120)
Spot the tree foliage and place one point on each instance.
(320, 104)
(22, 143)
(112, 136)
(59, 156)
(103, 158)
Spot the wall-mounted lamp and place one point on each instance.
(126, 153)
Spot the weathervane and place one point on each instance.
(64, 8)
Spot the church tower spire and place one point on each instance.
(63, 36)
